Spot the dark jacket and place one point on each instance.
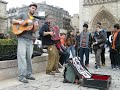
(46, 40)
(100, 38)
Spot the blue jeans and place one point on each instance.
(24, 54)
(72, 48)
(86, 52)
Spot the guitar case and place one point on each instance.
(79, 69)
(90, 80)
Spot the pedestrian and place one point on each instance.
(115, 48)
(85, 44)
(103, 49)
(25, 43)
(98, 43)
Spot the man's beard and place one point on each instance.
(31, 13)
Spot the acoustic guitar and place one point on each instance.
(26, 25)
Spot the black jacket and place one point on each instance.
(100, 38)
(46, 40)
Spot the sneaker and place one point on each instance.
(51, 73)
(30, 77)
(24, 80)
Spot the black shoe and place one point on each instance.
(24, 80)
(30, 77)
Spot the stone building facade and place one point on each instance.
(3, 17)
(105, 11)
(60, 15)
(75, 21)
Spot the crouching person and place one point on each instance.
(63, 53)
(69, 74)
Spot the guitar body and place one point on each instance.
(19, 29)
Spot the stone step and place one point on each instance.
(41, 78)
(9, 68)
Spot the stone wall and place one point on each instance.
(9, 69)
(3, 16)
(3, 25)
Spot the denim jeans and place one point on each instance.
(72, 48)
(86, 52)
(24, 54)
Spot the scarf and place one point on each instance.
(114, 39)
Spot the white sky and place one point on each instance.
(72, 6)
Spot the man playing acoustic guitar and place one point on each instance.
(25, 43)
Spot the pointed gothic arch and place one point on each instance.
(106, 18)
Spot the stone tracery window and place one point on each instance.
(97, 1)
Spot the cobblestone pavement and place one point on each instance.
(47, 82)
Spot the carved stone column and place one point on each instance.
(81, 15)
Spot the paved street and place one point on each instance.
(47, 82)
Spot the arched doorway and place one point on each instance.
(107, 20)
